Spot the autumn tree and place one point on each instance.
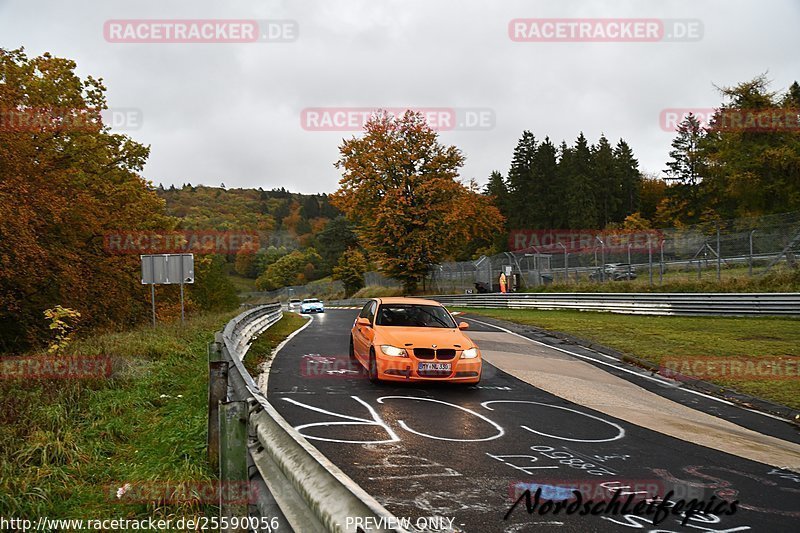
(752, 168)
(400, 188)
(350, 271)
(65, 181)
(337, 236)
(245, 264)
(213, 290)
(295, 268)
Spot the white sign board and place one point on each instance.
(167, 269)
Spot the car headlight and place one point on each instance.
(393, 351)
(472, 353)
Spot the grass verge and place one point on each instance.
(68, 445)
(735, 279)
(261, 349)
(661, 338)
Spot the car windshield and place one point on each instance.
(310, 301)
(414, 315)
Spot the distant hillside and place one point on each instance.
(302, 236)
(278, 214)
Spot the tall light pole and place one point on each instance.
(661, 264)
(750, 258)
(629, 260)
(650, 259)
(566, 258)
(602, 258)
(719, 257)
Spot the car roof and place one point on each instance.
(398, 300)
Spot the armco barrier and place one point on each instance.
(683, 304)
(313, 494)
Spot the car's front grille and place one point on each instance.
(444, 354)
(424, 353)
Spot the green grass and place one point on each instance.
(733, 279)
(378, 292)
(659, 338)
(67, 445)
(261, 349)
(242, 284)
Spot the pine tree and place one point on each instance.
(685, 164)
(576, 169)
(684, 168)
(521, 182)
(630, 180)
(792, 97)
(546, 190)
(498, 190)
(607, 181)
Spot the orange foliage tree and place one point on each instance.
(400, 186)
(65, 180)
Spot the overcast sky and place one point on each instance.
(222, 112)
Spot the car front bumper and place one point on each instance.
(407, 369)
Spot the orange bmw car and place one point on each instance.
(409, 339)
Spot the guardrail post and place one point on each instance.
(234, 493)
(719, 257)
(217, 392)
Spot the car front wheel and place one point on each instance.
(373, 367)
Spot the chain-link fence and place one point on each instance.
(316, 289)
(712, 251)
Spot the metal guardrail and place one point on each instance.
(312, 493)
(681, 304)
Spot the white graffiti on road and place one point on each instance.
(349, 421)
(620, 430)
(402, 423)
(375, 420)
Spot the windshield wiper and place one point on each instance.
(436, 318)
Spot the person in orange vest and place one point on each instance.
(503, 282)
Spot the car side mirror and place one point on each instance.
(463, 325)
(362, 321)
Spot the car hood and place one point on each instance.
(422, 337)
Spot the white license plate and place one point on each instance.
(433, 367)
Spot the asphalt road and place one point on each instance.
(452, 458)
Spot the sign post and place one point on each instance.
(167, 269)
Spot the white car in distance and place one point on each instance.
(312, 305)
